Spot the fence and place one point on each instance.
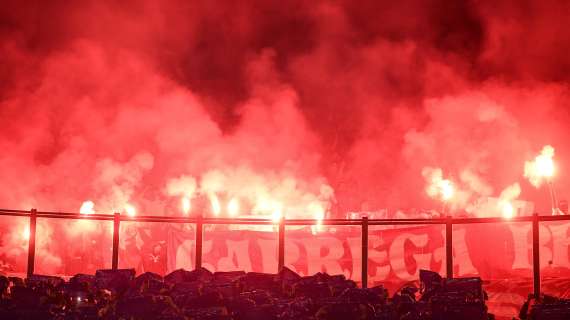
(364, 223)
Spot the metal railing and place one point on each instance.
(364, 223)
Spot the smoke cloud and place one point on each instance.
(337, 103)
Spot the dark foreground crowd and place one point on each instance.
(200, 294)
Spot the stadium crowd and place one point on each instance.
(200, 294)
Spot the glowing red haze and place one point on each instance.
(305, 104)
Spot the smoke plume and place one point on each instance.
(339, 103)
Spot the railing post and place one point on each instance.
(536, 255)
(281, 245)
(116, 229)
(364, 252)
(449, 247)
(199, 235)
(281, 252)
(32, 242)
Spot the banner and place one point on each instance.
(493, 251)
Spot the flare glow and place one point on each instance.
(130, 210)
(186, 205)
(542, 168)
(507, 210)
(215, 203)
(88, 207)
(26, 233)
(438, 187)
(233, 207)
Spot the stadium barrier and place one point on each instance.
(364, 223)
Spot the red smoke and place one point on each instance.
(110, 102)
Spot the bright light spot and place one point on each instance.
(277, 213)
(87, 207)
(78, 299)
(545, 166)
(507, 210)
(233, 207)
(438, 188)
(215, 203)
(82, 226)
(26, 233)
(446, 189)
(318, 213)
(269, 209)
(130, 210)
(186, 205)
(542, 168)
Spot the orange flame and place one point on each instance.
(87, 207)
(26, 233)
(438, 188)
(83, 226)
(215, 203)
(186, 205)
(233, 207)
(277, 213)
(507, 209)
(130, 210)
(542, 168)
(446, 190)
(318, 213)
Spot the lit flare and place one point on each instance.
(277, 214)
(318, 213)
(215, 203)
(186, 205)
(233, 207)
(26, 233)
(507, 210)
(542, 168)
(130, 210)
(446, 190)
(87, 207)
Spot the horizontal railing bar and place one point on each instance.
(322, 223)
(75, 214)
(205, 221)
(55, 216)
(553, 218)
(313, 221)
(243, 219)
(331, 220)
(14, 214)
(158, 219)
(260, 223)
(12, 210)
(194, 220)
(403, 222)
(489, 220)
(290, 222)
